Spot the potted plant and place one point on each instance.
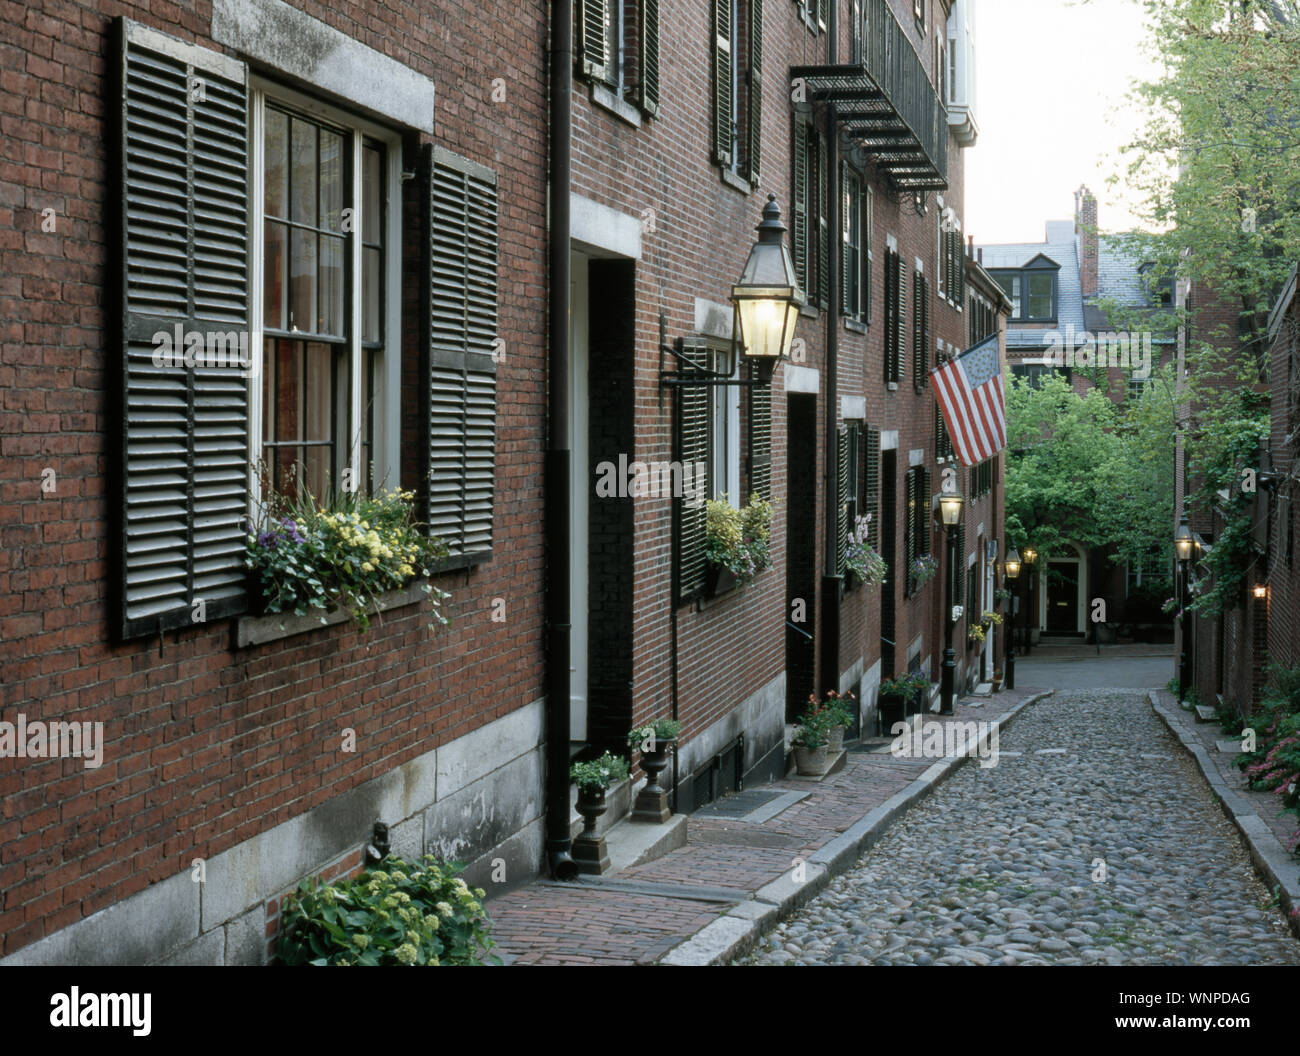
(593, 779)
(923, 569)
(655, 742)
(736, 543)
(341, 551)
(810, 744)
(837, 713)
(861, 562)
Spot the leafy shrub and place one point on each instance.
(653, 733)
(1275, 765)
(405, 913)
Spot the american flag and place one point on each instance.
(969, 390)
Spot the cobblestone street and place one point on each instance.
(1004, 865)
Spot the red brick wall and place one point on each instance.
(206, 746)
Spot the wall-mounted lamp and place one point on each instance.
(767, 300)
(1261, 591)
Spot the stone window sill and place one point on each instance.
(607, 100)
(259, 630)
(856, 326)
(737, 183)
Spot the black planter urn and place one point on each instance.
(589, 850)
(652, 801)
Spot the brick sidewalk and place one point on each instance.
(651, 911)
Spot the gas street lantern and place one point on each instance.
(1183, 539)
(1013, 563)
(767, 297)
(950, 503)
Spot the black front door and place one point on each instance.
(801, 554)
(1062, 597)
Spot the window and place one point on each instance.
(858, 473)
(808, 235)
(1034, 373)
(1032, 292)
(287, 268)
(918, 12)
(724, 431)
(737, 83)
(855, 215)
(981, 478)
(709, 430)
(618, 47)
(321, 214)
(916, 529)
(943, 449)
(952, 274)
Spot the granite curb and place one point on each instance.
(1277, 868)
(739, 930)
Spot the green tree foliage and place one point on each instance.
(1082, 468)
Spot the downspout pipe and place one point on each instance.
(559, 485)
(831, 580)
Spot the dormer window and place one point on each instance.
(1032, 290)
(1160, 291)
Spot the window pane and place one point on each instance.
(370, 307)
(297, 421)
(302, 279)
(330, 317)
(273, 276)
(371, 178)
(1040, 296)
(276, 162)
(303, 172)
(331, 180)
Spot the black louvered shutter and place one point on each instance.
(593, 38)
(760, 438)
(959, 269)
(647, 35)
(182, 161)
(923, 514)
(900, 319)
(909, 532)
(692, 450)
(847, 307)
(841, 499)
(916, 330)
(959, 587)
(722, 84)
(890, 301)
(868, 230)
(871, 484)
(825, 186)
(754, 110)
(460, 384)
(799, 213)
(921, 351)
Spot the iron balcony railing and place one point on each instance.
(886, 102)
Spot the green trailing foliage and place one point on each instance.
(1275, 764)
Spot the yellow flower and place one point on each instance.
(367, 567)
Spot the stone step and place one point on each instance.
(636, 842)
(1205, 713)
(984, 689)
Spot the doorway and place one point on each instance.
(1062, 597)
(801, 553)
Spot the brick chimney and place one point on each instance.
(1085, 229)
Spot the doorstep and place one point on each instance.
(632, 843)
(837, 764)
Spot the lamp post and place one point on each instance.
(1031, 555)
(950, 504)
(1183, 551)
(1012, 568)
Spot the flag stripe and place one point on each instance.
(976, 415)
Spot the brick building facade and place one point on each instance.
(149, 175)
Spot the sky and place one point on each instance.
(1052, 76)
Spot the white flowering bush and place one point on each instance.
(307, 554)
(405, 913)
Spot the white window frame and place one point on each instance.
(724, 433)
(386, 411)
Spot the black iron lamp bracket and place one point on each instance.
(692, 373)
